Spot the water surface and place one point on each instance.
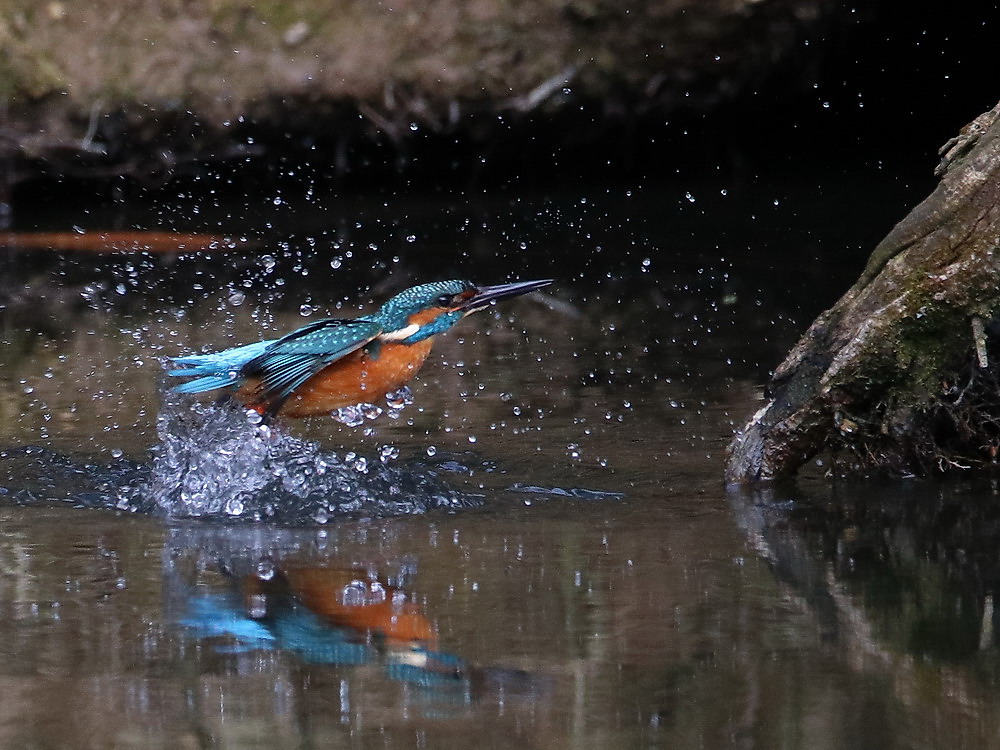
(538, 551)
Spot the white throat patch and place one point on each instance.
(399, 335)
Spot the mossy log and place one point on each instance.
(901, 373)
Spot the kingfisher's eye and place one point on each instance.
(445, 300)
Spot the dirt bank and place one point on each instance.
(110, 86)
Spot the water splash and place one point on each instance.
(217, 461)
(220, 463)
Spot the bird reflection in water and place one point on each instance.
(325, 614)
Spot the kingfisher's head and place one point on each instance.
(423, 311)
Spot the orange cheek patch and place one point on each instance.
(424, 317)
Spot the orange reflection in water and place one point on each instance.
(350, 598)
(114, 241)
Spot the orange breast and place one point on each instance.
(358, 378)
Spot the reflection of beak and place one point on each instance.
(487, 294)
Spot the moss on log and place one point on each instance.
(901, 373)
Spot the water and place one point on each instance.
(533, 548)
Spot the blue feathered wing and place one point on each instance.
(280, 365)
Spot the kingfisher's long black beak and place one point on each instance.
(485, 295)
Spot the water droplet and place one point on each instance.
(352, 416)
(370, 411)
(399, 399)
(431, 450)
(265, 570)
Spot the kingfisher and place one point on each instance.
(333, 363)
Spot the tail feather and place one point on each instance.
(216, 370)
(210, 383)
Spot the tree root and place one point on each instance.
(874, 377)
